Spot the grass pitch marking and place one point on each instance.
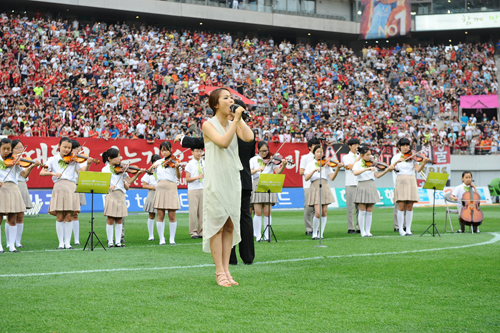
(496, 238)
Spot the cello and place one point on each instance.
(471, 214)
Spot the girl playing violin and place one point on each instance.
(168, 170)
(81, 196)
(406, 191)
(23, 188)
(115, 207)
(457, 195)
(149, 182)
(64, 201)
(312, 173)
(260, 201)
(366, 193)
(11, 200)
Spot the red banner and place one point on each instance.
(139, 152)
(385, 19)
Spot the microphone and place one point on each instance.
(245, 115)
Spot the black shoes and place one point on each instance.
(351, 231)
(358, 231)
(396, 230)
(13, 251)
(60, 248)
(309, 233)
(196, 237)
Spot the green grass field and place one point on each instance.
(386, 283)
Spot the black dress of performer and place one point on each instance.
(246, 151)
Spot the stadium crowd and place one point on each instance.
(59, 77)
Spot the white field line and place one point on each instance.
(308, 239)
(496, 238)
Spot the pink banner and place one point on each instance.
(479, 102)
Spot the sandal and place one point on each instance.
(222, 280)
(231, 280)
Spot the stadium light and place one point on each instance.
(137, 16)
(309, 34)
(449, 40)
(466, 32)
(201, 23)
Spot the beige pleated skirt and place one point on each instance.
(23, 188)
(64, 198)
(406, 189)
(148, 204)
(116, 205)
(166, 196)
(366, 193)
(11, 200)
(326, 193)
(83, 200)
(262, 198)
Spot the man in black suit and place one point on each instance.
(246, 151)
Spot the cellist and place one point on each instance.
(457, 195)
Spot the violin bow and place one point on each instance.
(17, 160)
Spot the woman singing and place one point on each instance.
(312, 173)
(222, 192)
(260, 201)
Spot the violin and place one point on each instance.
(379, 165)
(330, 163)
(23, 162)
(171, 161)
(413, 155)
(272, 158)
(78, 158)
(277, 159)
(471, 213)
(132, 169)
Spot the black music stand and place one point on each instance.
(435, 181)
(93, 182)
(270, 183)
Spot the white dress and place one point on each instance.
(222, 193)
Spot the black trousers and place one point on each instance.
(246, 246)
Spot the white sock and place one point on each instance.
(361, 222)
(20, 228)
(12, 236)
(6, 235)
(76, 231)
(257, 224)
(118, 233)
(315, 226)
(109, 233)
(409, 219)
(323, 224)
(368, 220)
(160, 226)
(173, 229)
(401, 220)
(1, 248)
(68, 229)
(60, 233)
(151, 228)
